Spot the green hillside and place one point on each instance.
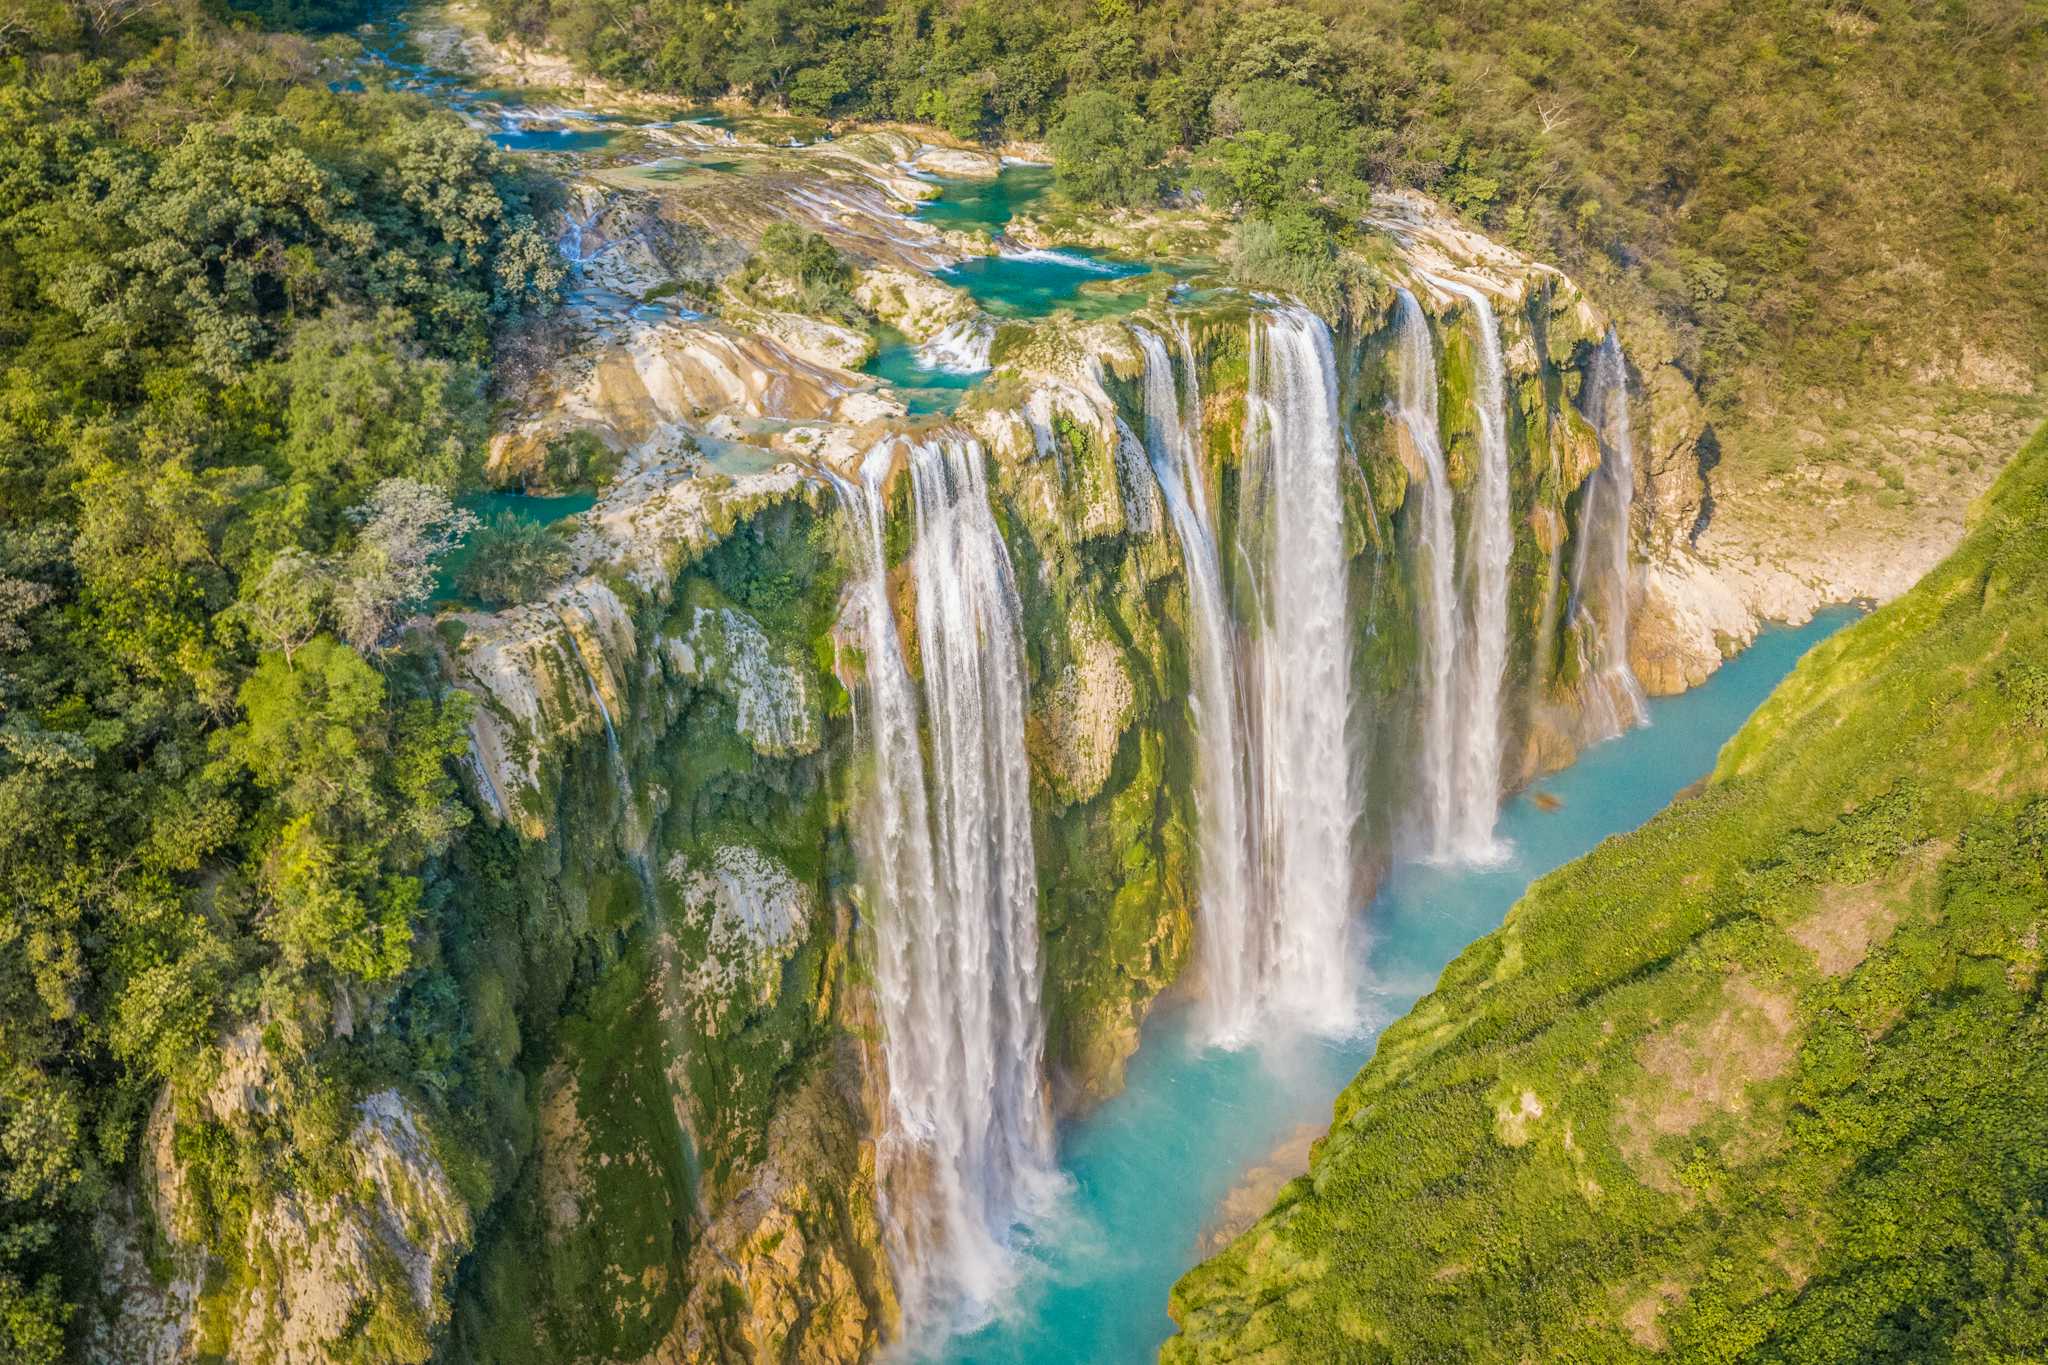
(1766, 1079)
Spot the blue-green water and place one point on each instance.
(555, 139)
(986, 205)
(1023, 284)
(1032, 284)
(1151, 1166)
(922, 388)
(530, 507)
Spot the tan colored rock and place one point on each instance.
(957, 163)
(1078, 722)
(373, 1259)
(563, 1148)
(780, 1244)
(1668, 455)
(911, 301)
(814, 339)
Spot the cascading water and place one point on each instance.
(1489, 541)
(631, 840)
(1301, 669)
(969, 1142)
(1601, 577)
(1228, 929)
(961, 348)
(1436, 591)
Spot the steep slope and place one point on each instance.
(1766, 1079)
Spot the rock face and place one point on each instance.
(357, 1259)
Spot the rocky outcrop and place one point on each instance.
(792, 1269)
(353, 1258)
(912, 302)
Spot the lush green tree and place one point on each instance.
(233, 305)
(1103, 150)
(364, 794)
(366, 404)
(1280, 143)
(1283, 44)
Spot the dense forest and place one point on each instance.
(1809, 196)
(244, 330)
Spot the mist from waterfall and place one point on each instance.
(948, 855)
(1291, 519)
(1602, 580)
(1436, 593)
(1228, 931)
(1483, 590)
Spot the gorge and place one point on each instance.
(1009, 710)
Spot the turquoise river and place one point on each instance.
(1150, 1168)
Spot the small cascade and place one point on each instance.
(1436, 591)
(633, 845)
(948, 854)
(1489, 542)
(962, 348)
(1602, 579)
(1228, 929)
(1073, 260)
(1300, 669)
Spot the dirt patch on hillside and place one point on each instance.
(1641, 1318)
(1851, 920)
(1700, 1068)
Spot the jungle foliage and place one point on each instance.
(1764, 1080)
(244, 325)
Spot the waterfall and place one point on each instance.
(1227, 928)
(948, 854)
(1301, 668)
(1489, 541)
(1436, 593)
(1602, 581)
(631, 840)
(961, 348)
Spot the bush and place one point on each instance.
(512, 561)
(1103, 152)
(792, 264)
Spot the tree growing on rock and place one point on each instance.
(407, 526)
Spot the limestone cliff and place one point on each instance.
(656, 1136)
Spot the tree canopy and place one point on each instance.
(244, 325)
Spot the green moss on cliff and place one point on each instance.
(1117, 920)
(1766, 1079)
(630, 1078)
(580, 1261)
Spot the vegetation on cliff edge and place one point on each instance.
(243, 325)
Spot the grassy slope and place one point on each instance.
(1765, 1079)
(1818, 195)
